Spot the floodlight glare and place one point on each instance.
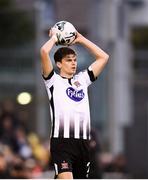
(24, 98)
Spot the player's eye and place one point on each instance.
(69, 60)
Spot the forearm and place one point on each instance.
(46, 48)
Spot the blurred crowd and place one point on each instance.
(105, 165)
(24, 155)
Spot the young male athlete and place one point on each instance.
(70, 112)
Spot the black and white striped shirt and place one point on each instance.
(69, 104)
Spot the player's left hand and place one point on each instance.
(78, 38)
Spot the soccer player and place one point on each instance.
(69, 103)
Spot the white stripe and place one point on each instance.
(49, 94)
(56, 168)
(66, 125)
(56, 126)
(88, 169)
(51, 115)
(77, 126)
(85, 128)
(89, 127)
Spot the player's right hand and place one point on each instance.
(54, 32)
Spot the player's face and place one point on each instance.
(68, 65)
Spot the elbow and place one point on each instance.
(106, 57)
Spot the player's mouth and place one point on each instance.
(73, 68)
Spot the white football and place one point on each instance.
(66, 33)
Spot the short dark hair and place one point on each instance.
(62, 52)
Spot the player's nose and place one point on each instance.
(74, 62)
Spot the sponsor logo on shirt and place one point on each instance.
(75, 95)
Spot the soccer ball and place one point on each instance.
(66, 32)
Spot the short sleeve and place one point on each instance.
(49, 80)
(88, 76)
(91, 74)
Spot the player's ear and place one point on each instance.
(58, 65)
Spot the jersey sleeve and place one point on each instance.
(49, 80)
(88, 76)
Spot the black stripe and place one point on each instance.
(81, 129)
(61, 127)
(49, 76)
(52, 107)
(87, 131)
(91, 75)
(71, 129)
(69, 80)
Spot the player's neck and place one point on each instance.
(65, 75)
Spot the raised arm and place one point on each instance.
(46, 63)
(101, 58)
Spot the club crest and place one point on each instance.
(77, 84)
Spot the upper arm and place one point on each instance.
(49, 80)
(87, 76)
(46, 63)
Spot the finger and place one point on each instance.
(50, 32)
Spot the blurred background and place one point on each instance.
(118, 99)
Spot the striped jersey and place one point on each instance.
(69, 104)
